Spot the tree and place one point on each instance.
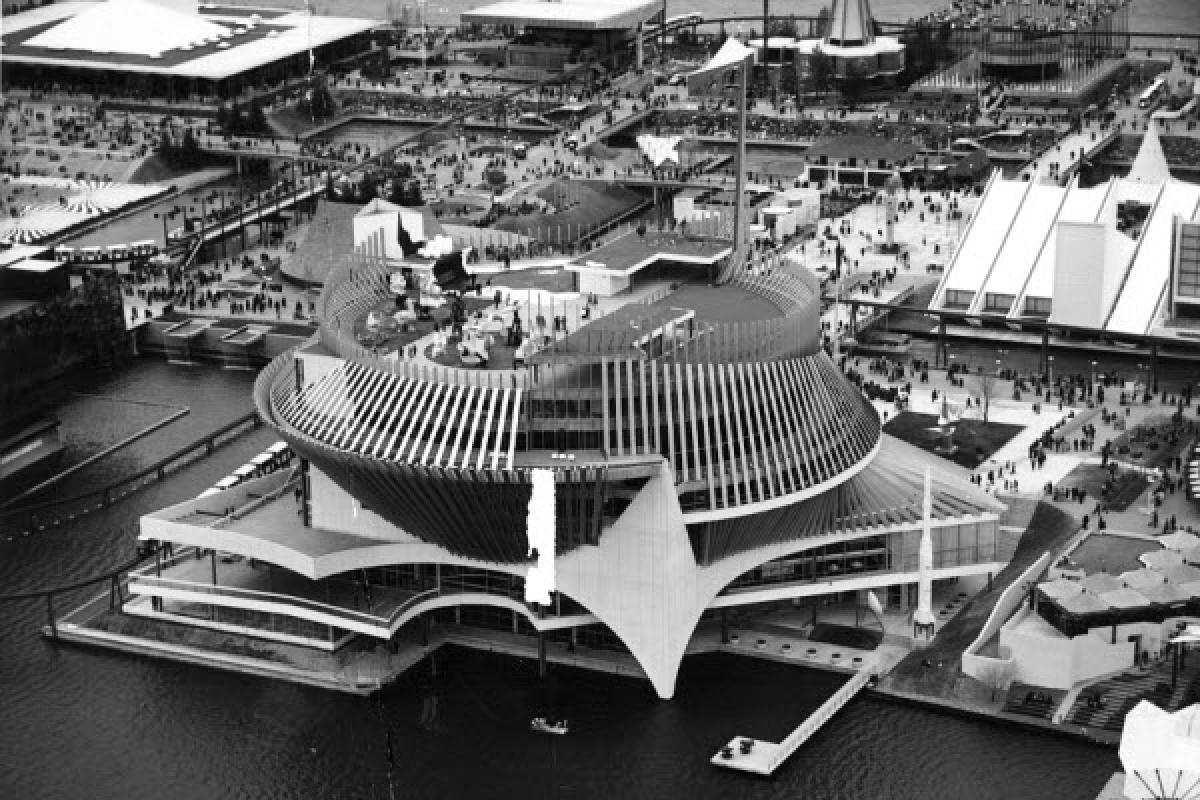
(996, 674)
(820, 71)
(824, 19)
(855, 83)
(986, 388)
(412, 194)
(256, 120)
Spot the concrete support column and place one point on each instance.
(541, 654)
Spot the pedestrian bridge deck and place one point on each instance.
(763, 758)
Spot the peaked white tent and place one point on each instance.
(136, 27)
(659, 149)
(1150, 165)
(1160, 752)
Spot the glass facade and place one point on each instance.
(1187, 270)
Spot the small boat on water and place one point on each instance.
(543, 725)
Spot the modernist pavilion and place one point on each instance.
(1118, 258)
(701, 461)
(170, 48)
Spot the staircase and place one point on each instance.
(1119, 694)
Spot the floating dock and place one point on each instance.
(763, 758)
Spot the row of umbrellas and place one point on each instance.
(1165, 579)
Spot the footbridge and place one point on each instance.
(763, 758)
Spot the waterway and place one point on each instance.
(81, 723)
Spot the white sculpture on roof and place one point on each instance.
(1150, 165)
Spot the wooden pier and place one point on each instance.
(763, 758)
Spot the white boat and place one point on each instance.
(542, 725)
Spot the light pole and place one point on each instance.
(1050, 360)
(1092, 381)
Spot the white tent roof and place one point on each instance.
(659, 148)
(128, 26)
(1160, 749)
(1183, 573)
(1100, 582)
(731, 54)
(1179, 540)
(1125, 598)
(1060, 588)
(1161, 559)
(1150, 165)
(1138, 578)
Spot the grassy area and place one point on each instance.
(1049, 530)
(1123, 491)
(598, 203)
(976, 440)
(1154, 443)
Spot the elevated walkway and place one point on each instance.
(763, 758)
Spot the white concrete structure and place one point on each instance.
(177, 39)
(698, 465)
(852, 46)
(1098, 258)
(1160, 752)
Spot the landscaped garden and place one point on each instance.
(974, 440)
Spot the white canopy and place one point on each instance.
(137, 27)
(659, 149)
(1100, 582)
(731, 56)
(1138, 578)
(1161, 559)
(1125, 598)
(1183, 573)
(1160, 750)
(1179, 540)
(1059, 589)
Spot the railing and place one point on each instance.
(255, 595)
(817, 719)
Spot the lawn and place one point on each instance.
(1154, 443)
(597, 204)
(1123, 491)
(935, 670)
(976, 440)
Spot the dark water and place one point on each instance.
(83, 723)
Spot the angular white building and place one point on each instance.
(1100, 258)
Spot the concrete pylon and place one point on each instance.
(642, 581)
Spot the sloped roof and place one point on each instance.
(128, 26)
(1150, 165)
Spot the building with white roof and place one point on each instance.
(553, 36)
(1118, 257)
(170, 47)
